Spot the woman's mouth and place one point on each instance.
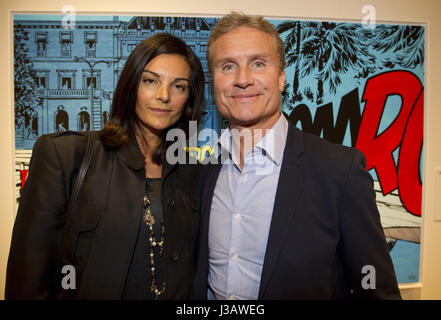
(160, 111)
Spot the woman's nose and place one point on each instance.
(163, 94)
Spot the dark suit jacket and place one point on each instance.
(325, 226)
(104, 229)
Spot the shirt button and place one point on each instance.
(237, 216)
(231, 298)
(234, 257)
(171, 202)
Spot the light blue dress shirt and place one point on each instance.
(241, 212)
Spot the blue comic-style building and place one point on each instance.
(75, 69)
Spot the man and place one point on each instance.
(287, 215)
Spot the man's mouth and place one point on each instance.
(245, 96)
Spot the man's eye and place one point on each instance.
(259, 64)
(228, 67)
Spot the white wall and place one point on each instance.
(406, 11)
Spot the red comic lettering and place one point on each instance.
(409, 182)
(23, 176)
(378, 149)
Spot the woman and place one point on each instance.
(134, 226)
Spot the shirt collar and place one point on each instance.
(273, 143)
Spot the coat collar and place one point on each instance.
(136, 160)
(133, 155)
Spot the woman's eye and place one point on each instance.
(180, 87)
(149, 80)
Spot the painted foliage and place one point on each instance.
(348, 83)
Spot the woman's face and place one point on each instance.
(163, 91)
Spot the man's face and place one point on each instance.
(247, 79)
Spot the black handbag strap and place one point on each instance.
(81, 174)
(73, 198)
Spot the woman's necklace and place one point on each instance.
(150, 221)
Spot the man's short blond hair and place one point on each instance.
(238, 19)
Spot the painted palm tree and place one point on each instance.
(26, 97)
(407, 42)
(293, 54)
(330, 50)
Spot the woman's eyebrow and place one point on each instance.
(158, 76)
(153, 73)
(180, 79)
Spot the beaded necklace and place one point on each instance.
(150, 221)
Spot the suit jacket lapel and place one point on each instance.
(206, 183)
(289, 190)
(210, 178)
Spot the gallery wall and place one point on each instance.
(426, 12)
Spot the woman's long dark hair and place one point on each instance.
(123, 118)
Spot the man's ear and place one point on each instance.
(282, 79)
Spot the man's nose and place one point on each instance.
(244, 78)
(162, 94)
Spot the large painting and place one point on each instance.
(350, 83)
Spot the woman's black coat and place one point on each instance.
(104, 226)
